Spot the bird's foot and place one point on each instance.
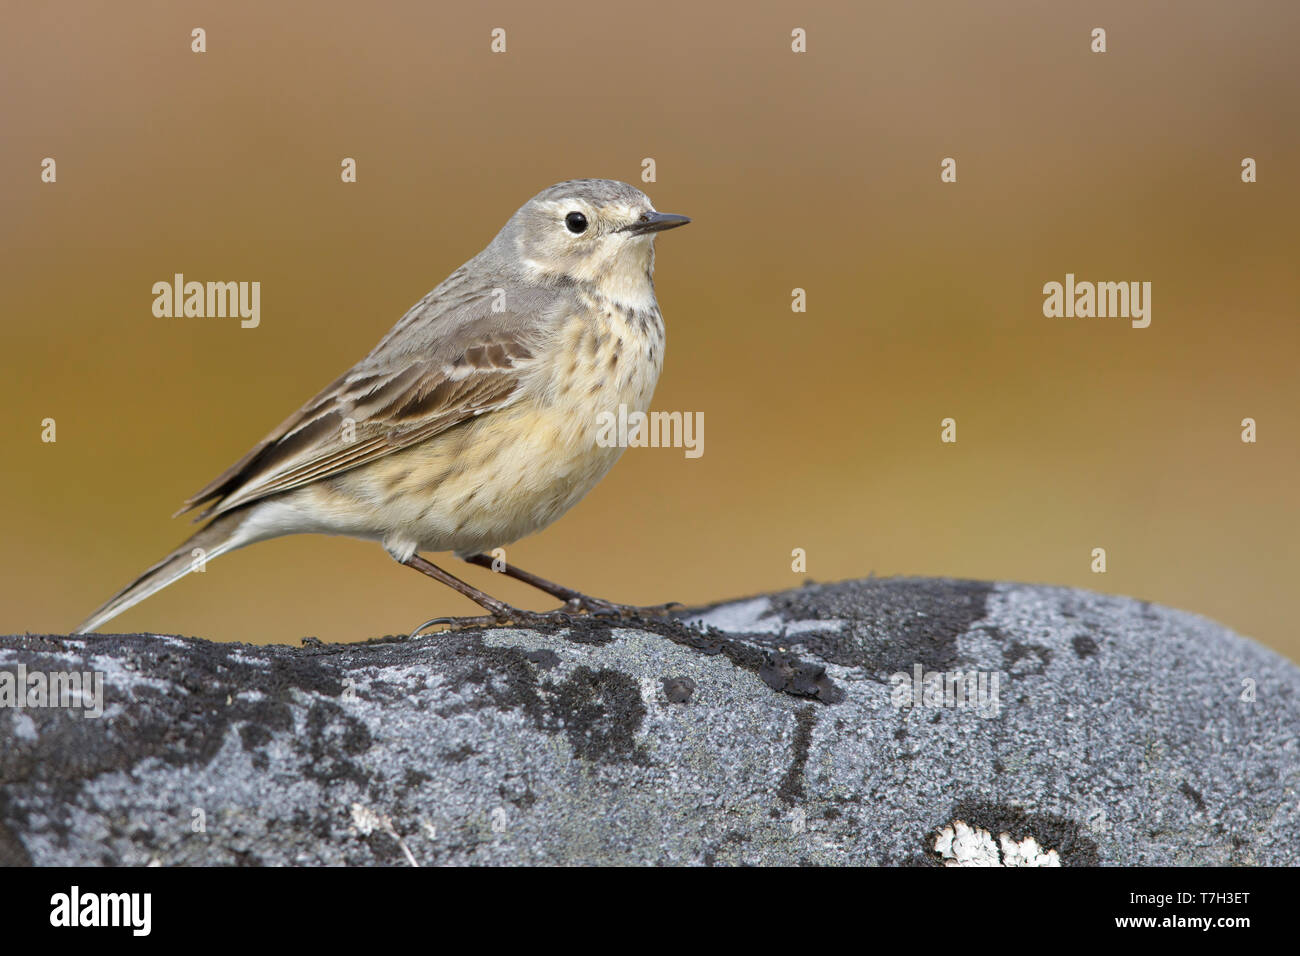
(511, 617)
(581, 603)
(573, 609)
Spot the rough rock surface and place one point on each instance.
(769, 732)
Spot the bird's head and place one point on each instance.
(593, 232)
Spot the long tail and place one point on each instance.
(214, 539)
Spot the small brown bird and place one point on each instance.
(474, 422)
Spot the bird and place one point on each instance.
(473, 422)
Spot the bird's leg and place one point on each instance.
(573, 600)
(483, 600)
(498, 611)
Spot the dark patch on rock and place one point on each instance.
(502, 678)
(460, 754)
(891, 624)
(383, 848)
(184, 726)
(1084, 646)
(253, 736)
(546, 660)
(788, 674)
(792, 787)
(678, 690)
(1035, 658)
(1049, 831)
(318, 825)
(517, 791)
(332, 736)
(12, 852)
(600, 712)
(1193, 795)
(586, 630)
(781, 671)
(732, 838)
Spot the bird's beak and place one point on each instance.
(655, 222)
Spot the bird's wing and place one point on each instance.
(450, 359)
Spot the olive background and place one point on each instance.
(817, 170)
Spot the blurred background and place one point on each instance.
(817, 170)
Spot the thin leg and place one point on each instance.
(519, 574)
(574, 600)
(499, 612)
(486, 601)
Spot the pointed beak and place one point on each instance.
(655, 222)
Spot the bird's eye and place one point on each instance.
(576, 222)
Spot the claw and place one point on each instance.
(593, 606)
(516, 618)
(437, 620)
(461, 623)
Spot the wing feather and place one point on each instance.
(395, 398)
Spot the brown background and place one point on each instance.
(818, 170)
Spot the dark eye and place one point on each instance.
(576, 222)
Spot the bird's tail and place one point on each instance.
(214, 539)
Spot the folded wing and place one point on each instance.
(403, 393)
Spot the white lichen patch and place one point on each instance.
(649, 690)
(960, 844)
(366, 821)
(1026, 853)
(251, 661)
(756, 617)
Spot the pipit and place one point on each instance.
(473, 423)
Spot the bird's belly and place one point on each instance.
(496, 479)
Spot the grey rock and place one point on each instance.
(767, 731)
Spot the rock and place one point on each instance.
(1102, 730)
